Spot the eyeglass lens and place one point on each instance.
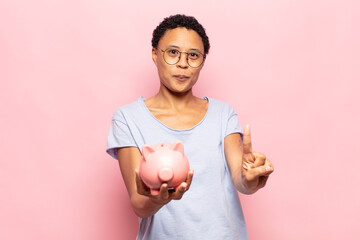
(172, 56)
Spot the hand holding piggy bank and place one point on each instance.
(163, 163)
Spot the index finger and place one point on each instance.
(247, 140)
(164, 193)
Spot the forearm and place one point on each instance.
(144, 206)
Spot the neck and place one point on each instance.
(170, 99)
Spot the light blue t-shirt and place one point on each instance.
(210, 209)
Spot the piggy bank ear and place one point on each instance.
(178, 146)
(146, 150)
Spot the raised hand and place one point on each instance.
(256, 168)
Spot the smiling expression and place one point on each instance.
(180, 77)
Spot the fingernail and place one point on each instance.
(267, 168)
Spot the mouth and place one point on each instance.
(181, 77)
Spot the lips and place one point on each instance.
(181, 77)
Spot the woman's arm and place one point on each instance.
(143, 203)
(249, 170)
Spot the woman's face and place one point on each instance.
(180, 77)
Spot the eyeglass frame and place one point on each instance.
(187, 57)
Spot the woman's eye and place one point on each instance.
(173, 52)
(193, 55)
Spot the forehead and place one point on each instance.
(183, 38)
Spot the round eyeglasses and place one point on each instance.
(172, 56)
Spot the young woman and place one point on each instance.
(206, 205)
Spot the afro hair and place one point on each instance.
(180, 20)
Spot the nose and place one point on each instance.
(183, 60)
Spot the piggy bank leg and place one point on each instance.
(154, 191)
(157, 191)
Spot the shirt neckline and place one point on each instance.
(142, 103)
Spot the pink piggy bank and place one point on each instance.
(163, 163)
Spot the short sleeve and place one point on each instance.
(119, 136)
(233, 125)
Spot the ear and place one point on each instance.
(154, 55)
(178, 146)
(146, 150)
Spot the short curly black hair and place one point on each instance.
(180, 20)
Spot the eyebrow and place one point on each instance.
(174, 46)
(195, 49)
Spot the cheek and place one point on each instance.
(167, 70)
(196, 74)
(161, 67)
(164, 72)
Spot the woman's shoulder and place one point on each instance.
(219, 103)
(129, 108)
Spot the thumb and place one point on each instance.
(140, 185)
(257, 172)
(247, 140)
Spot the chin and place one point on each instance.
(179, 91)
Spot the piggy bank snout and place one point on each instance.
(165, 174)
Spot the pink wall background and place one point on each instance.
(289, 68)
